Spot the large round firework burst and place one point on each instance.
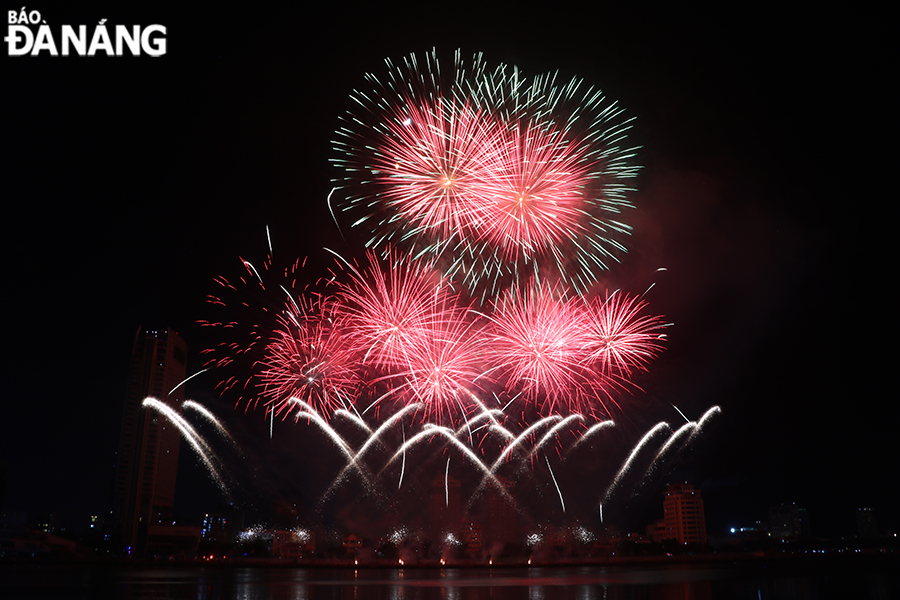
(307, 359)
(537, 341)
(410, 331)
(491, 175)
(415, 155)
(570, 353)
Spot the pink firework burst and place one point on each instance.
(537, 343)
(421, 148)
(536, 193)
(308, 358)
(445, 365)
(490, 174)
(432, 166)
(619, 338)
(385, 311)
(412, 334)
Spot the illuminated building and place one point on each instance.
(788, 522)
(683, 517)
(472, 538)
(867, 525)
(147, 460)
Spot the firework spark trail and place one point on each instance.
(690, 429)
(681, 413)
(449, 435)
(374, 437)
(255, 272)
(425, 433)
(702, 421)
(554, 430)
(670, 443)
(403, 465)
(186, 380)
(591, 431)
(626, 466)
(194, 439)
(521, 437)
(687, 428)
(308, 412)
(505, 433)
(490, 414)
(558, 491)
(510, 446)
(191, 405)
(343, 412)
(447, 482)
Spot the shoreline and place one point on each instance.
(808, 559)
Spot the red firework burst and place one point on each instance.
(445, 365)
(491, 174)
(308, 359)
(536, 193)
(432, 167)
(537, 342)
(619, 338)
(406, 325)
(385, 313)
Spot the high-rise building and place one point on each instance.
(683, 516)
(866, 523)
(788, 522)
(147, 461)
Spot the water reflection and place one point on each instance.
(58, 582)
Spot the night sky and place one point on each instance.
(130, 183)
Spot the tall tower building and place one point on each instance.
(788, 521)
(683, 515)
(866, 523)
(147, 461)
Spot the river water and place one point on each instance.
(876, 580)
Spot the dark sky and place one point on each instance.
(130, 183)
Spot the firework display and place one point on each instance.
(490, 174)
(494, 449)
(474, 326)
(395, 333)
